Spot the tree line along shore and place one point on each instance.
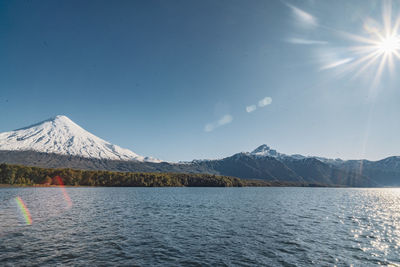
(17, 175)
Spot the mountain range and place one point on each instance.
(60, 143)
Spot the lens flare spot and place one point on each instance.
(24, 210)
(60, 183)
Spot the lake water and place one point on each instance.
(200, 226)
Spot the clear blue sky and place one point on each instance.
(179, 80)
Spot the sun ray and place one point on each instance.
(387, 17)
(358, 38)
(371, 61)
(369, 58)
(397, 54)
(380, 68)
(391, 64)
(396, 25)
(382, 46)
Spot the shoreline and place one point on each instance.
(95, 186)
(44, 186)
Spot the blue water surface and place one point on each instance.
(200, 226)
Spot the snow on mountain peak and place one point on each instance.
(61, 135)
(265, 151)
(261, 148)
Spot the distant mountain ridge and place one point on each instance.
(60, 143)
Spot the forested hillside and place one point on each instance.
(22, 175)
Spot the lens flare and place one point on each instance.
(24, 210)
(64, 191)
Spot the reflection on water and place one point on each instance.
(207, 226)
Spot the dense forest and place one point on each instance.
(23, 175)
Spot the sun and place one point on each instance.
(389, 45)
(379, 49)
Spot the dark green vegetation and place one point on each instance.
(22, 175)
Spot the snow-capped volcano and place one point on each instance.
(60, 135)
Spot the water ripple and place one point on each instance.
(201, 227)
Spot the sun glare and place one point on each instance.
(378, 49)
(389, 45)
